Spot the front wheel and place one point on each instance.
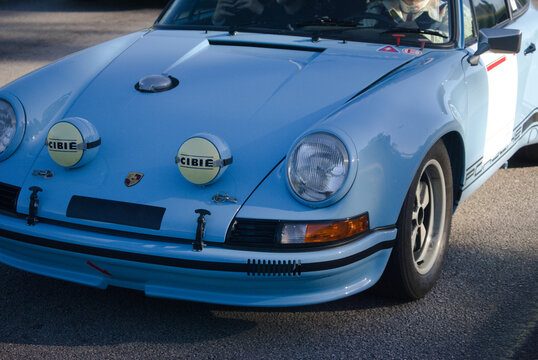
(423, 229)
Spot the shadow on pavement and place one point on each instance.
(45, 311)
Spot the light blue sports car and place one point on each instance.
(266, 152)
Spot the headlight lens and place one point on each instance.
(8, 125)
(318, 167)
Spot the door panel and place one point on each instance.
(502, 77)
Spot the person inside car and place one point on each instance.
(244, 12)
(420, 14)
(237, 11)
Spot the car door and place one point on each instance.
(494, 90)
(525, 18)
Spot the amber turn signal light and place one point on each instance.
(336, 231)
(320, 232)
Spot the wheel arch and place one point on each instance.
(456, 151)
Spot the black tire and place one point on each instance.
(414, 267)
(530, 153)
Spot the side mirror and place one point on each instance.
(496, 40)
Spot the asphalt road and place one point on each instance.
(485, 305)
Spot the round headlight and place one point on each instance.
(8, 125)
(318, 167)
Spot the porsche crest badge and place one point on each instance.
(133, 179)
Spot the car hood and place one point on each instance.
(257, 93)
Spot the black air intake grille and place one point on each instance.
(8, 197)
(115, 212)
(252, 232)
(273, 267)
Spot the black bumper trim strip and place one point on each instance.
(175, 240)
(333, 264)
(184, 263)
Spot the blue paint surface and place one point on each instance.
(388, 108)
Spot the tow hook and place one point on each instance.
(199, 244)
(34, 206)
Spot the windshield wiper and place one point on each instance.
(327, 21)
(251, 26)
(414, 31)
(337, 26)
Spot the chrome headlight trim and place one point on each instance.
(20, 125)
(351, 173)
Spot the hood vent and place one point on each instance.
(8, 197)
(266, 45)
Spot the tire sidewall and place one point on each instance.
(530, 153)
(416, 285)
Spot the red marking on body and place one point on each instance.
(412, 51)
(423, 43)
(496, 63)
(398, 37)
(388, 48)
(98, 268)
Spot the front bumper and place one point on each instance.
(215, 275)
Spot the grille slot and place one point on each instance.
(257, 267)
(249, 232)
(8, 197)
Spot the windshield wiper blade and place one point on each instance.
(327, 21)
(275, 27)
(414, 31)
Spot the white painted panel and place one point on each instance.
(502, 83)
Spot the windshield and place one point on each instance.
(356, 20)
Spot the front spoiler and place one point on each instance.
(215, 275)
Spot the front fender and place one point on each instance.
(392, 125)
(47, 93)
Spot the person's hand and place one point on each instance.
(228, 8)
(224, 9)
(253, 5)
